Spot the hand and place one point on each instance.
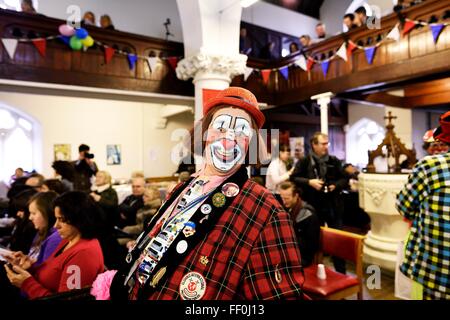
(20, 259)
(123, 216)
(291, 171)
(316, 184)
(95, 196)
(331, 187)
(131, 244)
(17, 275)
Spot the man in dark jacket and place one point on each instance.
(85, 168)
(306, 222)
(131, 204)
(322, 179)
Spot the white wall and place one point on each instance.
(274, 17)
(144, 17)
(98, 122)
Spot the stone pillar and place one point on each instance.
(323, 100)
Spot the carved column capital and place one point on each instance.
(206, 65)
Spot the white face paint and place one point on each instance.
(231, 133)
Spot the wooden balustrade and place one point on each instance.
(64, 66)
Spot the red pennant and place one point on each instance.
(173, 61)
(109, 52)
(350, 48)
(309, 64)
(407, 28)
(265, 75)
(41, 46)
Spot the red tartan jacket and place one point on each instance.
(251, 252)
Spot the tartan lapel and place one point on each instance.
(172, 258)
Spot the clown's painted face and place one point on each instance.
(227, 139)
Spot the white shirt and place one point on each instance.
(276, 174)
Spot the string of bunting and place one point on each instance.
(78, 39)
(346, 50)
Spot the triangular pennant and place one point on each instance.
(10, 46)
(284, 72)
(301, 62)
(370, 54)
(394, 34)
(132, 58)
(265, 75)
(41, 46)
(325, 64)
(342, 52)
(65, 39)
(436, 30)
(351, 46)
(309, 63)
(109, 52)
(409, 25)
(247, 72)
(173, 61)
(152, 61)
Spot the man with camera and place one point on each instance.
(322, 179)
(85, 168)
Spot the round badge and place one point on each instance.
(218, 200)
(182, 246)
(192, 286)
(206, 209)
(230, 189)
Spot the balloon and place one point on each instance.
(75, 43)
(66, 30)
(88, 42)
(81, 33)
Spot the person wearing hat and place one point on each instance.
(425, 202)
(431, 146)
(219, 235)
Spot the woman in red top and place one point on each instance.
(76, 261)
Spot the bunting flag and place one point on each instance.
(152, 61)
(325, 65)
(65, 39)
(173, 61)
(109, 53)
(247, 72)
(132, 58)
(41, 46)
(436, 30)
(394, 34)
(407, 28)
(301, 62)
(10, 46)
(284, 72)
(309, 63)
(342, 52)
(265, 75)
(351, 46)
(370, 54)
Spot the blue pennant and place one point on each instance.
(370, 54)
(325, 64)
(284, 72)
(65, 39)
(132, 58)
(436, 30)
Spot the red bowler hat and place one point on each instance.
(442, 133)
(239, 98)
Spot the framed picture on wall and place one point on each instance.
(113, 154)
(61, 152)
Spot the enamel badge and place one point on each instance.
(230, 189)
(206, 209)
(192, 286)
(182, 246)
(218, 200)
(189, 229)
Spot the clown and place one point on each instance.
(237, 242)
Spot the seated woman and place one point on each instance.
(104, 194)
(47, 238)
(77, 260)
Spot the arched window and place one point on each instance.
(17, 143)
(363, 136)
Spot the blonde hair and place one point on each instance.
(108, 178)
(152, 192)
(137, 174)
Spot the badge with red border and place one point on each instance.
(192, 286)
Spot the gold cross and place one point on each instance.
(390, 117)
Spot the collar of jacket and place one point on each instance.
(100, 189)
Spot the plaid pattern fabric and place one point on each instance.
(425, 200)
(252, 253)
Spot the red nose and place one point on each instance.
(228, 144)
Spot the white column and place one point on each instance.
(323, 100)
